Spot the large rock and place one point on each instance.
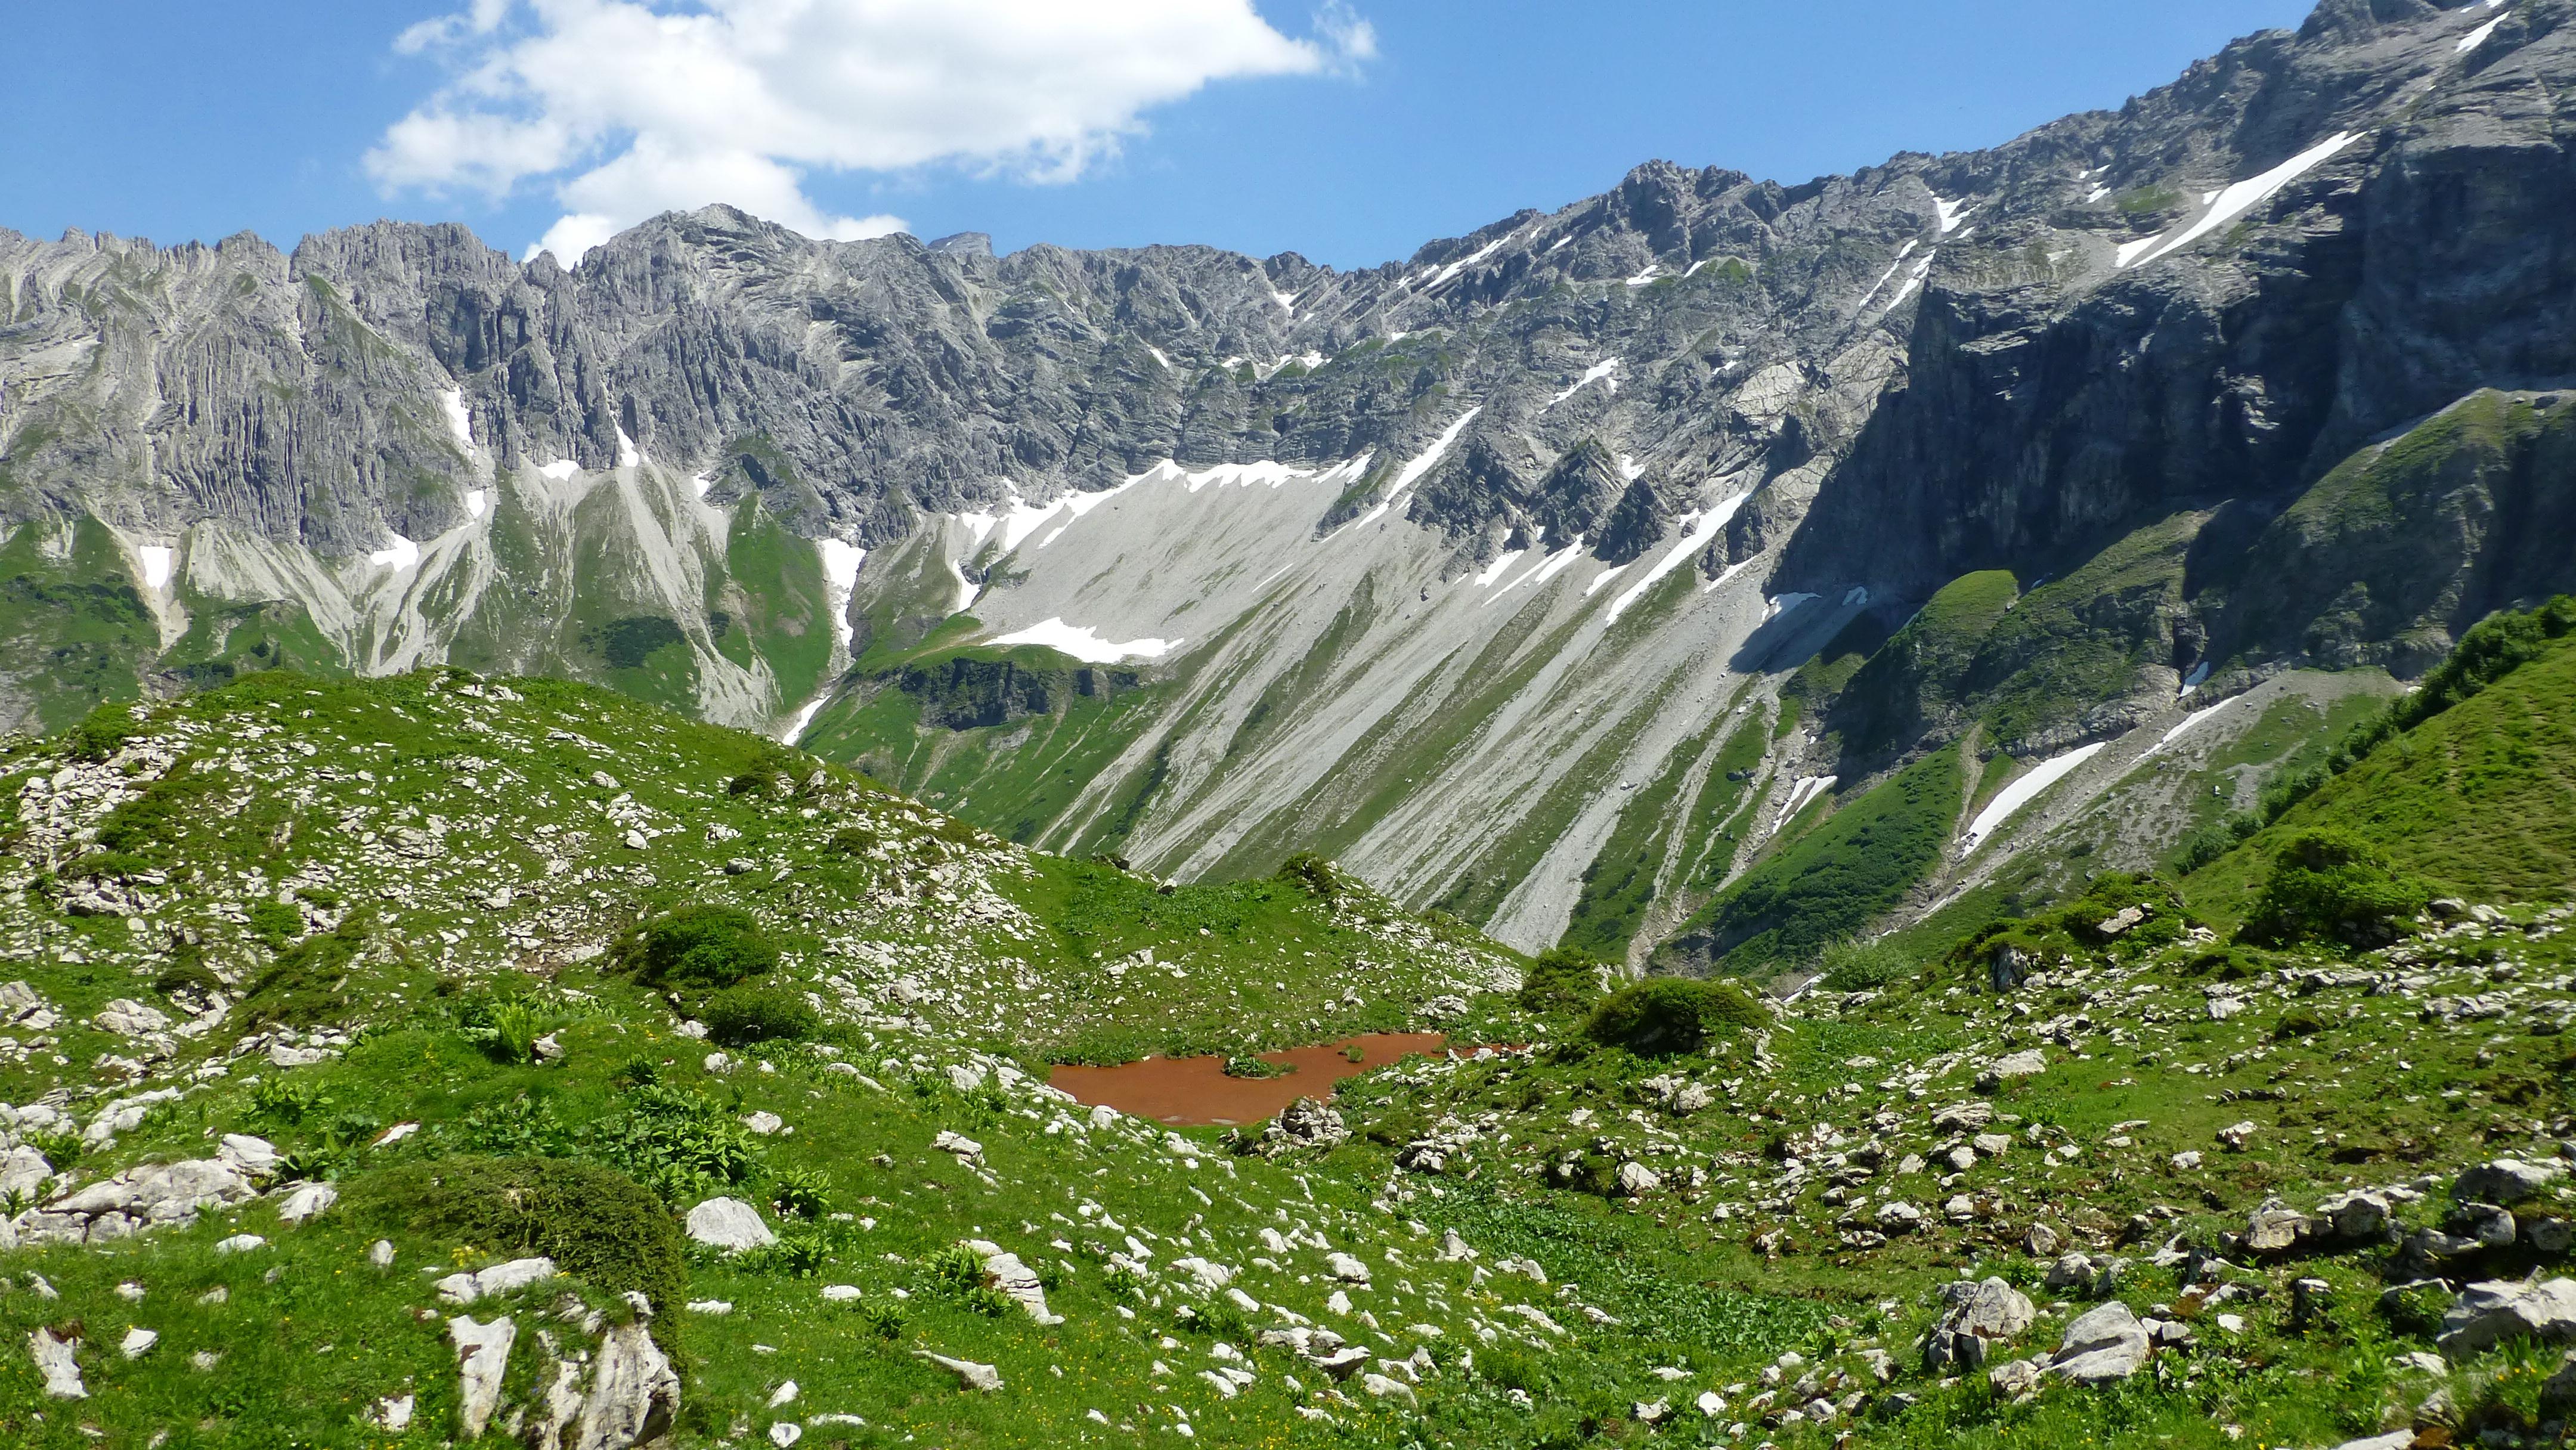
(634, 1397)
(2012, 1068)
(1974, 1317)
(2105, 1343)
(460, 1290)
(973, 1376)
(729, 1224)
(2274, 1230)
(2504, 1182)
(2490, 1313)
(1017, 1280)
(1306, 1123)
(151, 1196)
(55, 1360)
(482, 1358)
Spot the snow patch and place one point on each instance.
(1602, 580)
(841, 572)
(1952, 213)
(1453, 269)
(2025, 789)
(2189, 723)
(1497, 569)
(1646, 276)
(452, 402)
(156, 564)
(1600, 371)
(2096, 194)
(1802, 795)
(401, 556)
(1630, 469)
(1287, 303)
(803, 720)
(1085, 644)
(1698, 532)
(476, 501)
(1158, 357)
(627, 455)
(561, 469)
(1782, 604)
(2478, 37)
(701, 483)
(2236, 201)
(2199, 675)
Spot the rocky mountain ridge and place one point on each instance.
(1694, 432)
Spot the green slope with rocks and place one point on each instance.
(439, 1060)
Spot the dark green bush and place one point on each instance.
(2298, 1022)
(740, 1016)
(1665, 1015)
(304, 988)
(594, 1222)
(2327, 886)
(704, 947)
(1863, 966)
(275, 922)
(1563, 980)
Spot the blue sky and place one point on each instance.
(1352, 134)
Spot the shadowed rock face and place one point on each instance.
(398, 445)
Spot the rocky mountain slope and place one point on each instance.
(1474, 572)
(438, 1060)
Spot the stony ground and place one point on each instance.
(339, 1116)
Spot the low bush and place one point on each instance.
(1669, 1015)
(594, 1222)
(1860, 966)
(740, 1016)
(1563, 981)
(707, 948)
(2327, 886)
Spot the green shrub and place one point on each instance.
(103, 732)
(187, 976)
(2298, 1022)
(740, 1016)
(1254, 1069)
(286, 1099)
(1563, 981)
(275, 922)
(2327, 886)
(1320, 878)
(594, 1222)
(304, 988)
(703, 947)
(1665, 1015)
(507, 1031)
(1859, 966)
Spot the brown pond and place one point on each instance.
(1194, 1091)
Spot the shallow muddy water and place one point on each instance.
(1194, 1091)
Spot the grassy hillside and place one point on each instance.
(2469, 784)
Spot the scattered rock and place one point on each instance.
(973, 1376)
(729, 1224)
(966, 1149)
(2105, 1343)
(1974, 1317)
(55, 1361)
(1017, 1280)
(2490, 1313)
(1636, 1180)
(765, 1124)
(2504, 1182)
(2012, 1068)
(1347, 1269)
(1307, 1123)
(138, 1342)
(2234, 1137)
(307, 1202)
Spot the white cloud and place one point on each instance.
(632, 107)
